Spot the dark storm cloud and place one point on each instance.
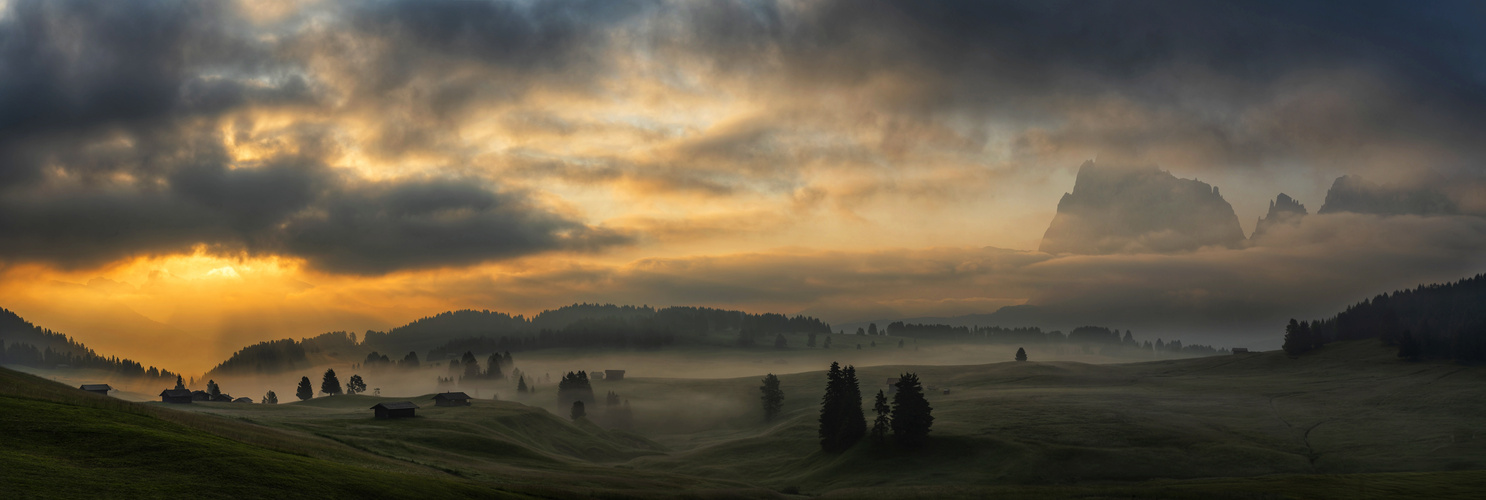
(383, 227)
(109, 147)
(1233, 83)
(111, 112)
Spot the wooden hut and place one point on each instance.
(401, 409)
(451, 399)
(243, 400)
(613, 375)
(175, 396)
(100, 389)
(1240, 350)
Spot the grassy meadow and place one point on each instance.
(1350, 421)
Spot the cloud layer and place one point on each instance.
(843, 157)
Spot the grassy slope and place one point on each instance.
(1350, 422)
(1352, 409)
(500, 442)
(62, 443)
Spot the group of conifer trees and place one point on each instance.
(1440, 321)
(330, 385)
(842, 422)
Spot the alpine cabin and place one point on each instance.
(451, 399)
(99, 389)
(401, 409)
(177, 396)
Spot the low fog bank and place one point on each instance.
(684, 365)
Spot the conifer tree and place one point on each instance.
(330, 384)
(578, 411)
(1021, 354)
(912, 415)
(179, 384)
(780, 342)
(773, 397)
(304, 392)
(881, 424)
(810, 340)
(213, 390)
(270, 398)
(1296, 342)
(521, 385)
(831, 410)
(494, 370)
(854, 421)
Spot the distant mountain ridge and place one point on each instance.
(1284, 210)
(1351, 193)
(25, 344)
(1122, 209)
(576, 325)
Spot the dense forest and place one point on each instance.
(288, 354)
(25, 344)
(447, 334)
(1438, 321)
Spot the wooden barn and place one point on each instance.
(401, 409)
(613, 375)
(100, 389)
(175, 396)
(451, 399)
(243, 400)
(201, 396)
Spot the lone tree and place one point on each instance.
(521, 384)
(912, 415)
(330, 385)
(304, 393)
(355, 385)
(1021, 354)
(780, 342)
(270, 398)
(578, 410)
(884, 421)
(773, 397)
(179, 384)
(213, 390)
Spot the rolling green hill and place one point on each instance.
(60, 442)
(1348, 421)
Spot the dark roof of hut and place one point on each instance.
(96, 387)
(400, 405)
(452, 395)
(175, 393)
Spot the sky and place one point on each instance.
(180, 179)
